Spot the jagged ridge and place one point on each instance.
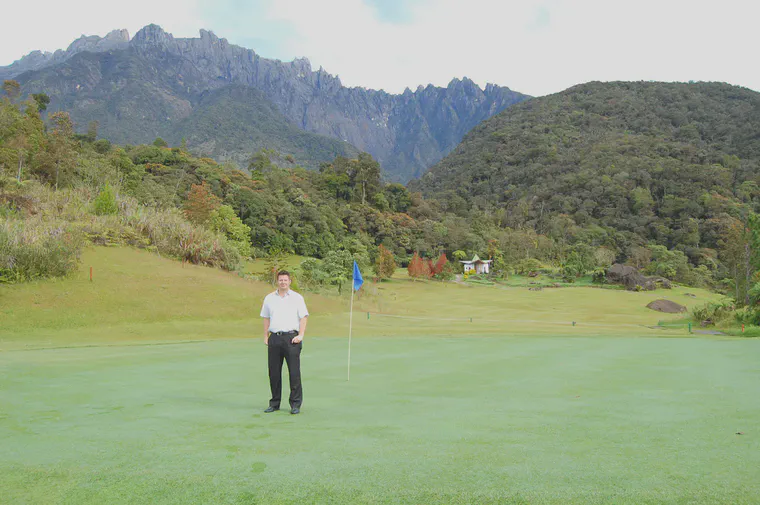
(406, 133)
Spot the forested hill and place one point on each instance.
(142, 87)
(656, 162)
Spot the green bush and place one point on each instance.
(527, 266)
(747, 315)
(34, 249)
(105, 203)
(715, 312)
(225, 221)
(171, 234)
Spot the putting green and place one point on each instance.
(423, 420)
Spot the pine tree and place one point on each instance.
(385, 264)
(417, 268)
(201, 202)
(440, 264)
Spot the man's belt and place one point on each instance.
(291, 333)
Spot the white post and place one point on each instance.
(350, 326)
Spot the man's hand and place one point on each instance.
(266, 339)
(296, 339)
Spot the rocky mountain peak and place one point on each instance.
(406, 132)
(152, 35)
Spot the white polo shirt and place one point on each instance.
(284, 312)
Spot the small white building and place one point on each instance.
(476, 265)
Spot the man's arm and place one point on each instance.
(301, 330)
(266, 331)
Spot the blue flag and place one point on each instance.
(358, 281)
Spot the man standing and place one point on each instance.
(284, 313)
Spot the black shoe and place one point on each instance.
(295, 410)
(270, 409)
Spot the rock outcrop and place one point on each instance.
(667, 306)
(114, 40)
(633, 280)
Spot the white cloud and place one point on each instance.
(536, 47)
(533, 46)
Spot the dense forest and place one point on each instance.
(661, 176)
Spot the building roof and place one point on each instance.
(475, 259)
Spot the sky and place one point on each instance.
(537, 47)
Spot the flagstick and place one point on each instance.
(350, 325)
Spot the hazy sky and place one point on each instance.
(535, 47)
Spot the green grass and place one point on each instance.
(147, 385)
(473, 420)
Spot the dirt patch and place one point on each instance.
(666, 306)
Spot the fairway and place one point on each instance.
(148, 384)
(474, 420)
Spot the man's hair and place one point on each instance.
(283, 272)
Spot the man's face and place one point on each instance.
(283, 282)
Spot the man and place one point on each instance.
(285, 314)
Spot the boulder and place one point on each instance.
(633, 280)
(666, 306)
(629, 277)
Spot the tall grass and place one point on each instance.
(32, 249)
(46, 236)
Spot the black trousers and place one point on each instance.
(281, 347)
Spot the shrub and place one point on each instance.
(33, 249)
(599, 275)
(527, 266)
(170, 233)
(385, 264)
(105, 203)
(747, 315)
(714, 312)
(312, 272)
(225, 221)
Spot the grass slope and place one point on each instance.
(138, 296)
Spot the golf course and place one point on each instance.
(147, 384)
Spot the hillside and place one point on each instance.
(666, 163)
(143, 87)
(230, 122)
(137, 296)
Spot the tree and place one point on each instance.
(61, 148)
(12, 89)
(276, 260)
(105, 203)
(159, 142)
(640, 257)
(498, 266)
(442, 269)
(418, 268)
(385, 264)
(262, 161)
(604, 258)
(367, 176)
(42, 101)
(92, 132)
(398, 197)
(338, 266)
(201, 202)
(223, 219)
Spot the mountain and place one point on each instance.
(229, 122)
(117, 39)
(660, 162)
(406, 133)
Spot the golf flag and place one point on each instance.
(358, 281)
